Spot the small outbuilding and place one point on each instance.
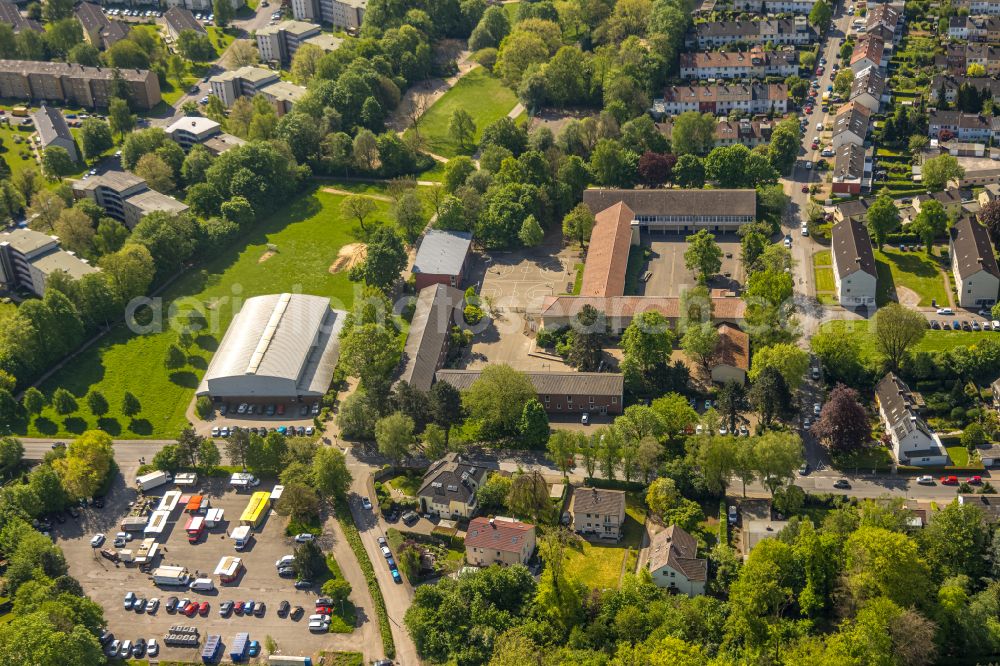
(442, 258)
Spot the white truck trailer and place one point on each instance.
(152, 480)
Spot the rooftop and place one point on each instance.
(25, 67)
(607, 255)
(119, 181)
(675, 548)
(255, 75)
(724, 307)
(504, 534)
(549, 383)
(442, 252)
(27, 241)
(90, 16)
(325, 41)
(60, 260)
(193, 124)
(51, 125)
(733, 347)
(598, 500)
(285, 91)
(849, 163)
(438, 308)
(181, 19)
(852, 248)
(453, 478)
(151, 201)
(972, 248)
(675, 201)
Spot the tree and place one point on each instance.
(656, 169)
(223, 11)
(777, 456)
(359, 207)
(384, 261)
(95, 138)
(86, 464)
(662, 496)
(843, 82)
(703, 255)
(97, 403)
(120, 117)
(531, 233)
(975, 70)
(492, 494)
(896, 330)
(716, 456)
(208, 454)
(55, 10)
(843, 425)
(791, 361)
(529, 496)
(689, 172)
(990, 217)
(369, 352)
(130, 405)
(410, 215)
(820, 15)
(578, 224)
(693, 133)
(394, 436)
(883, 218)
(63, 402)
(44, 211)
(769, 396)
(195, 47)
(462, 128)
(588, 336)
(957, 544)
(937, 171)
(887, 564)
(495, 401)
(646, 343)
(75, 230)
(931, 223)
(699, 343)
(330, 473)
(33, 401)
(534, 424)
(307, 561)
(973, 437)
(732, 402)
(561, 450)
(446, 406)
(57, 163)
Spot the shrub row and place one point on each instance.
(354, 539)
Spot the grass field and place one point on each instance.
(910, 270)
(959, 456)
(220, 39)
(482, 95)
(932, 340)
(12, 151)
(308, 234)
(598, 566)
(408, 484)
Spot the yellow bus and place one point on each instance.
(256, 509)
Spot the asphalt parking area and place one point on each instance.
(107, 582)
(668, 275)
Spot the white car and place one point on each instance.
(698, 429)
(996, 325)
(319, 618)
(805, 230)
(304, 537)
(215, 431)
(152, 648)
(925, 480)
(817, 408)
(98, 540)
(386, 552)
(585, 418)
(819, 127)
(284, 561)
(809, 164)
(366, 503)
(788, 241)
(316, 625)
(945, 311)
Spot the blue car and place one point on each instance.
(955, 325)
(248, 608)
(282, 430)
(254, 648)
(395, 575)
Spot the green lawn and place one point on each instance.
(220, 39)
(12, 152)
(824, 279)
(484, 97)
(911, 270)
(408, 484)
(308, 232)
(959, 456)
(932, 340)
(578, 280)
(598, 566)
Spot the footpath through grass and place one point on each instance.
(479, 93)
(307, 233)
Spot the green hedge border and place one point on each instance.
(343, 513)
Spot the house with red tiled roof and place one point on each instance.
(869, 52)
(607, 256)
(674, 563)
(498, 540)
(732, 356)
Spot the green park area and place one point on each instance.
(911, 276)
(480, 94)
(15, 149)
(292, 250)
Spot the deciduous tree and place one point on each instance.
(896, 329)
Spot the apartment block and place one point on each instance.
(346, 14)
(278, 43)
(91, 87)
(28, 258)
(125, 197)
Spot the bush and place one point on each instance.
(473, 314)
(337, 589)
(958, 414)
(203, 407)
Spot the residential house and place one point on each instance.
(950, 200)
(854, 272)
(731, 360)
(722, 99)
(125, 197)
(868, 52)
(888, 18)
(780, 32)
(560, 392)
(986, 55)
(442, 258)
(28, 258)
(250, 81)
(754, 531)
(950, 84)
(989, 504)
(11, 15)
(93, 21)
(944, 125)
(977, 277)
(912, 440)
(72, 84)
(179, 19)
(852, 169)
(278, 43)
(851, 124)
(774, 6)
(868, 89)
(958, 28)
(188, 131)
(449, 487)
(990, 192)
(347, 14)
(498, 540)
(54, 131)
(113, 33)
(597, 512)
(855, 209)
(674, 564)
(199, 5)
(438, 310)
(756, 63)
(222, 143)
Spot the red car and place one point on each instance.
(238, 608)
(808, 109)
(975, 480)
(819, 71)
(191, 609)
(324, 610)
(203, 609)
(805, 189)
(949, 480)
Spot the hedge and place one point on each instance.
(343, 513)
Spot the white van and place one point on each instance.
(202, 584)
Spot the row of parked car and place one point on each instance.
(135, 13)
(270, 409)
(290, 431)
(965, 325)
(125, 649)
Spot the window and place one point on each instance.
(591, 399)
(614, 400)
(569, 398)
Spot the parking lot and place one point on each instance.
(107, 582)
(267, 416)
(668, 275)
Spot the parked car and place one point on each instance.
(126, 649)
(286, 572)
(366, 503)
(238, 608)
(129, 600)
(139, 648)
(254, 649)
(804, 469)
(949, 480)
(976, 480)
(154, 604)
(259, 609)
(304, 537)
(395, 575)
(152, 647)
(945, 311)
(139, 605)
(409, 518)
(303, 584)
(925, 480)
(841, 484)
(732, 514)
(385, 551)
(225, 608)
(171, 605)
(97, 540)
(585, 418)
(283, 608)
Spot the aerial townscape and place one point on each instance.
(499, 332)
